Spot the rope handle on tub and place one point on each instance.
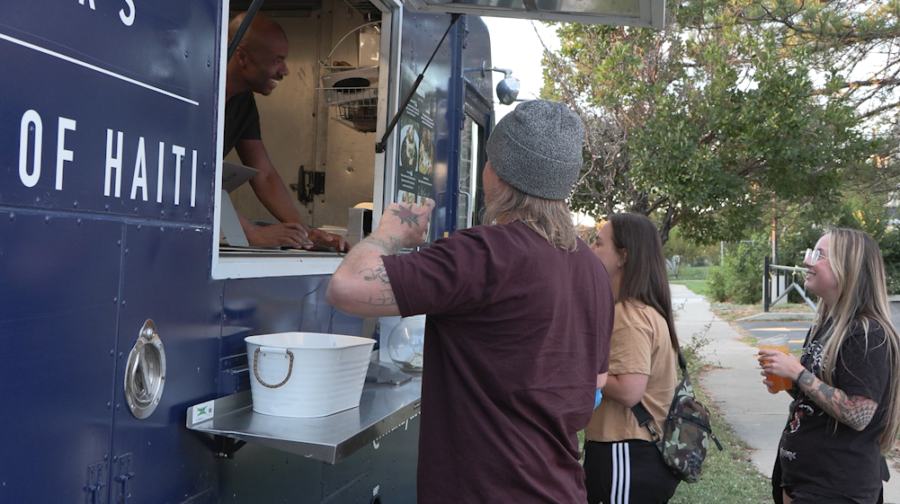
(286, 378)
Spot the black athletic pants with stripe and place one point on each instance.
(627, 472)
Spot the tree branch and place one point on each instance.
(653, 206)
(880, 109)
(862, 83)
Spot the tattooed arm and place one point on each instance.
(852, 410)
(361, 286)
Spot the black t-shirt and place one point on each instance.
(516, 333)
(241, 121)
(819, 459)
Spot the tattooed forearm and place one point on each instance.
(806, 378)
(854, 411)
(361, 284)
(386, 248)
(383, 298)
(376, 273)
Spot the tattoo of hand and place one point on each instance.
(377, 273)
(407, 216)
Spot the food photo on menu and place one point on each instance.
(425, 152)
(409, 146)
(406, 197)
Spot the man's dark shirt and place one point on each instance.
(516, 333)
(241, 121)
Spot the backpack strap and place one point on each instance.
(643, 416)
(644, 419)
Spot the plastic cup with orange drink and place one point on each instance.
(780, 344)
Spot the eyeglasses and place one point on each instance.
(812, 256)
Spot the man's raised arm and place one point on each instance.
(361, 286)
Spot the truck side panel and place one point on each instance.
(166, 279)
(59, 289)
(107, 175)
(103, 117)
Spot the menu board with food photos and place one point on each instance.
(415, 173)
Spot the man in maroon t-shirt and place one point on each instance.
(519, 316)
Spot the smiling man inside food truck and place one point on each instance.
(519, 317)
(257, 66)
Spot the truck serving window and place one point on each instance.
(318, 110)
(349, 79)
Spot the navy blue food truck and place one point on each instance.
(126, 289)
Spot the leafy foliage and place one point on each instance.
(736, 108)
(739, 278)
(890, 250)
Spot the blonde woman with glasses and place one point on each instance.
(845, 412)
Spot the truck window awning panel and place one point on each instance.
(640, 13)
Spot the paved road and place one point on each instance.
(796, 331)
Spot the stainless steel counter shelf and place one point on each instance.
(383, 408)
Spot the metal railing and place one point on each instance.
(774, 270)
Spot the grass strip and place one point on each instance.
(729, 477)
(699, 287)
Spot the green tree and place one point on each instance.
(715, 121)
(853, 46)
(853, 43)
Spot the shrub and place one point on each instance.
(739, 278)
(716, 283)
(890, 250)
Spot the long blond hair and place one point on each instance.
(548, 218)
(858, 267)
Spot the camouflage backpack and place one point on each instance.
(686, 430)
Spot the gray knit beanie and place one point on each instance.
(537, 149)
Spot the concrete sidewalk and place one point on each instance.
(735, 384)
